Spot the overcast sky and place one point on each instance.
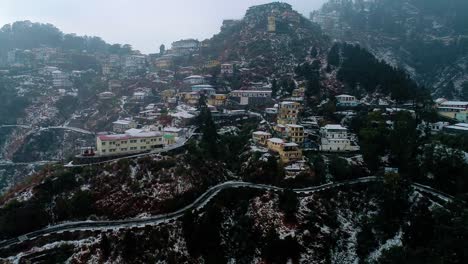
(145, 24)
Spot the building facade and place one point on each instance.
(334, 138)
(288, 113)
(132, 141)
(251, 97)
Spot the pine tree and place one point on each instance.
(208, 128)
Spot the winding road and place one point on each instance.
(198, 204)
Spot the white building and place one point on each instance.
(334, 138)
(139, 96)
(227, 69)
(346, 100)
(246, 97)
(132, 141)
(123, 125)
(194, 80)
(60, 79)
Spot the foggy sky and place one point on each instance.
(145, 24)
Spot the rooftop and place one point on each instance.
(261, 133)
(276, 140)
(334, 127)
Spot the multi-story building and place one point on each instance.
(251, 97)
(61, 79)
(295, 133)
(194, 80)
(334, 138)
(123, 125)
(261, 137)
(132, 141)
(288, 113)
(288, 152)
(453, 109)
(217, 100)
(206, 89)
(227, 69)
(271, 24)
(346, 100)
(186, 44)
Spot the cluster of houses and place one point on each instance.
(289, 136)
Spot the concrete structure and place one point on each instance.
(106, 95)
(460, 128)
(288, 113)
(271, 24)
(251, 97)
(206, 89)
(227, 69)
(194, 79)
(295, 133)
(61, 79)
(346, 100)
(334, 138)
(217, 100)
(133, 141)
(453, 109)
(288, 152)
(261, 137)
(437, 127)
(186, 44)
(123, 125)
(139, 96)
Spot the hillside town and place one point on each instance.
(325, 135)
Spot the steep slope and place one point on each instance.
(429, 39)
(271, 38)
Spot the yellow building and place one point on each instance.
(288, 113)
(212, 64)
(261, 137)
(299, 92)
(190, 98)
(167, 94)
(288, 152)
(133, 141)
(271, 24)
(217, 99)
(275, 144)
(163, 63)
(295, 133)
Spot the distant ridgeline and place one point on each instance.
(27, 35)
(428, 38)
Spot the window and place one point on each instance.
(142, 140)
(123, 149)
(143, 147)
(124, 142)
(103, 143)
(103, 151)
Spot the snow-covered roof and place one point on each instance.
(294, 126)
(460, 126)
(261, 133)
(455, 103)
(122, 122)
(291, 144)
(194, 77)
(334, 127)
(276, 140)
(172, 129)
(343, 96)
